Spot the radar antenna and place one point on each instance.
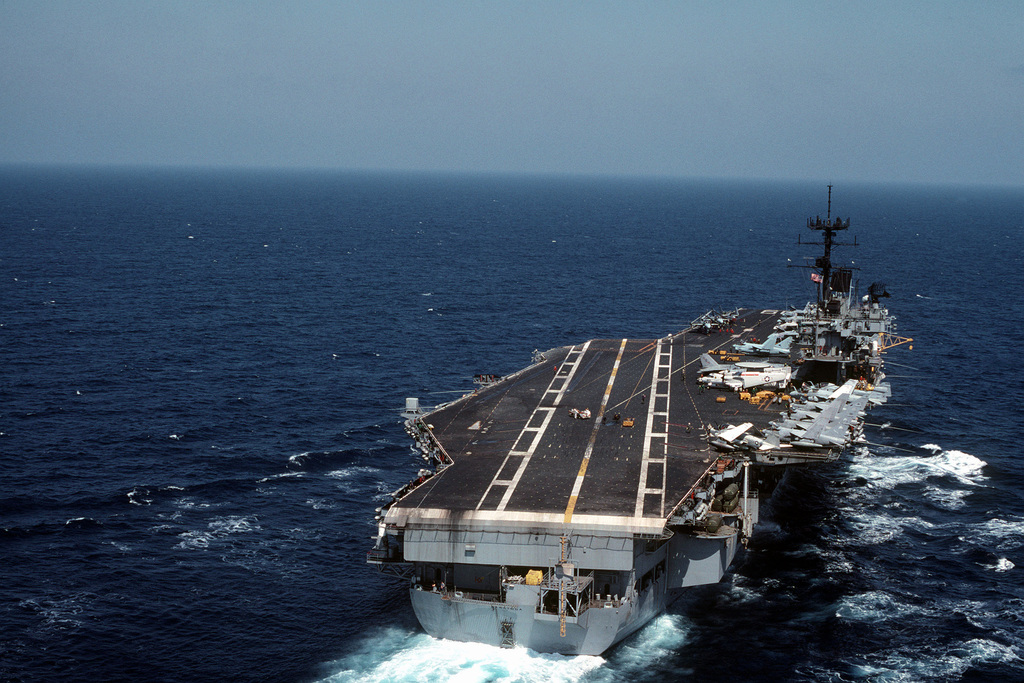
(828, 229)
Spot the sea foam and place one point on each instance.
(875, 606)
(217, 530)
(947, 663)
(394, 655)
(891, 470)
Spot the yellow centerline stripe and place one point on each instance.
(593, 437)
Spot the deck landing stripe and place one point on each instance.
(572, 373)
(526, 460)
(538, 433)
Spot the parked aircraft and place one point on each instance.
(735, 437)
(777, 344)
(747, 375)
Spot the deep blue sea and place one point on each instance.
(201, 374)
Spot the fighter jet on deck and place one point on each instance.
(736, 437)
(777, 344)
(737, 376)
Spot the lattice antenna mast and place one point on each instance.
(828, 229)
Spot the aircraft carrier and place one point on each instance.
(567, 504)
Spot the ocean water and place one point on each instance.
(201, 373)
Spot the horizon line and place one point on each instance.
(8, 166)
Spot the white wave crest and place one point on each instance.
(300, 458)
(872, 528)
(137, 496)
(875, 606)
(632, 660)
(892, 470)
(58, 613)
(1003, 534)
(190, 503)
(952, 662)
(949, 499)
(346, 472)
(741, 594)
(279, 476)
(217, 530)
(397, 656)
(348, 481)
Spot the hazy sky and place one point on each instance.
(874, 91)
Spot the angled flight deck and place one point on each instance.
(518, 450)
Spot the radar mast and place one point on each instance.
(828, 229)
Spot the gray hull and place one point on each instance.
(519, 619)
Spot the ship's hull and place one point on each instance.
(519, 619)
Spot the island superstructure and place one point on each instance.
(565, 505)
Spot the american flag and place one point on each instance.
(815, 277)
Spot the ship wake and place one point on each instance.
(394, 654)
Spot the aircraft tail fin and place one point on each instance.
(784, 344)
(709, 364)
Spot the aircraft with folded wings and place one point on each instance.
(736, 437)
(833, 422)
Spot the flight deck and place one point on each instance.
(526, 448)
